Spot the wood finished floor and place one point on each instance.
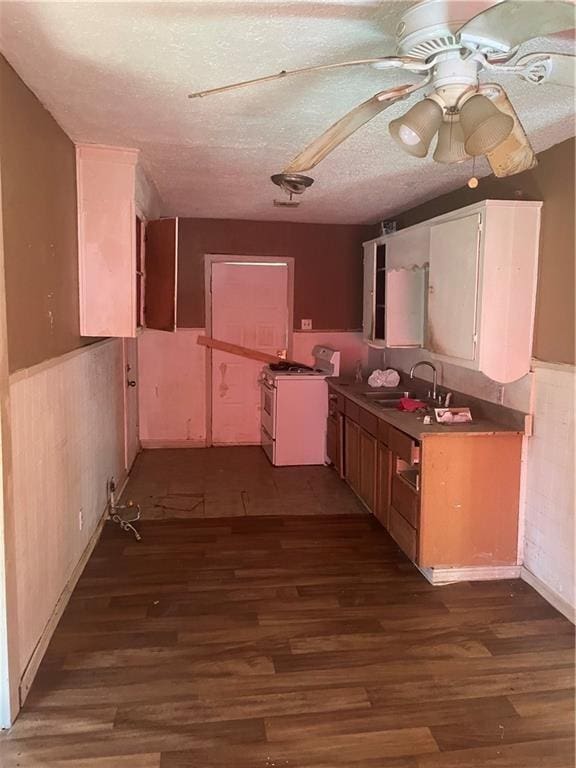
(293, 642)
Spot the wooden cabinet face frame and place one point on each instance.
(368, 469)
(383, 487)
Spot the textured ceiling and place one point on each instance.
(119, 73)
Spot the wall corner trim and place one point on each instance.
(556, 600)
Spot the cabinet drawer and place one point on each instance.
(403, 446)
(383, 431)
(406, 501)
(340, 402)
(352, 411)
(403, 534)
(369, 422)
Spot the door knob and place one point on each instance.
(131, 383)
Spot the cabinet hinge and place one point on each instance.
(475, 338)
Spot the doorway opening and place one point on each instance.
(249, 302)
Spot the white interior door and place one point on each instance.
(453, 288)
(250, 307)
(131, 442)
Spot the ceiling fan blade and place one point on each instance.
(382, 62)
(347, 125)
(555, 68)
(515, 154)
(515, 21)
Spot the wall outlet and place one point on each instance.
(306, 325)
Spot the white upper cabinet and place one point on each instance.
(482, 287)
(106, 240)
(462, 285)
(395, 280)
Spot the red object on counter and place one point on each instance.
(408, 404)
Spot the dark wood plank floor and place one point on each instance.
(293, 642)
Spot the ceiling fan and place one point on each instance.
(439, 42)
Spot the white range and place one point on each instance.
(295, 407)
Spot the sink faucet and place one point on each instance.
(434, 376)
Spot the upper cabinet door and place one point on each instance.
(453, 288)
(161, 270)
(106, 240)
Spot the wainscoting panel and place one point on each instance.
(68, 440)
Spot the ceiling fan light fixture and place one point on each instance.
(415, 130)
(450, 145)
(484, 126)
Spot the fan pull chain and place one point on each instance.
(473, 181)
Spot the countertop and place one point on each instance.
(502, 420)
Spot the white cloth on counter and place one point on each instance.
(387, 378)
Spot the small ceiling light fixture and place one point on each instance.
(450, 145)
(485, 127)
(292, 183)
(415, 130)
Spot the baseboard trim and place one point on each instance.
(173, 443)
(549, 594)
(439, 576)
(31, 669)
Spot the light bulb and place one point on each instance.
(408, 136)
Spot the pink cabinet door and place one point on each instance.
(106, 240)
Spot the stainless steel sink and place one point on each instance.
(387, 403)
(394, 394)
(390, 399)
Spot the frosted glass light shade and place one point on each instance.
(484, 126)
(415, 130)
(450, 146)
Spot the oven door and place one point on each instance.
(268, 407)
(268, 445)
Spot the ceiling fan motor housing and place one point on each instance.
(430, 28)
(453, 76)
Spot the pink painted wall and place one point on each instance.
(172, 387)
(172, 380)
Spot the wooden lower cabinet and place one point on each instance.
(449, 500)
(383, 485)
(361, 456)
(469, 500)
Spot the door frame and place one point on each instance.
(214, 258)
(126, 375)
(9, 645)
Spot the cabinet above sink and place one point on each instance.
(462, 286)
